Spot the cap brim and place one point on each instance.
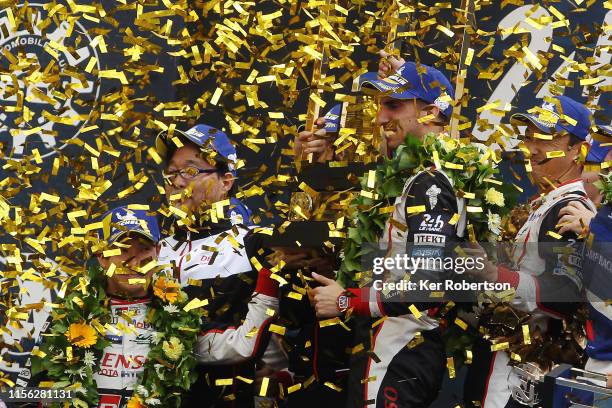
(391, 88)
(161, 141)
(138, 231)
(521, 119)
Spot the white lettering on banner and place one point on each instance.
(447, 285)
(519, 74)
(37, 96)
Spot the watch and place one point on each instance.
(342, 303)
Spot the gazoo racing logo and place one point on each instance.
(47, 88)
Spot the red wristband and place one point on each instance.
(505, 275)
(265, 284)
(359, 300)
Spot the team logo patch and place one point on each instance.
(431, 224)
(434, 239)
(44, 111)
(433, 192)
(441, 102)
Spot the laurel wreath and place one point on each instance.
(69, 362)
(470, 167)
(604, 185)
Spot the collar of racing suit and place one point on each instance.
(571, 186)
(183, 234)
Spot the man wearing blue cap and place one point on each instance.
(194, 188)
(135, 233)
(414, 100)
(545, 270)
(207, 252)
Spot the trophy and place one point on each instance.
(563, 387)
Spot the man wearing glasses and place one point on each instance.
(207, 254)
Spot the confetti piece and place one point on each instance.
(280, 330)
(526, 336)
(461, 323)
(450, 365)
(415, 209)
(500, 346)
(413, 309)
(194, 304)
(555, 154)
(263, 390)
(468, 356)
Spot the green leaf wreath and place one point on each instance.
(604, 185)
(76, 339)
(471, 168)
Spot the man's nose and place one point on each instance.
(178, 181)
(381, 117)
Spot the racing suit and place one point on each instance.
(547, 284)
(213, 264)
(123, 360)
(387, 373)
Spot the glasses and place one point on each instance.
(188, 173)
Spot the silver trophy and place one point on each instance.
(563, 387)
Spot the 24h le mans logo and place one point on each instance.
(46, 95)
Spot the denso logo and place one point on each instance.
(113, 360)
(119, 365)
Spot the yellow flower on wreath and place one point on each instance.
(135, 402)
(81, 335)
(173, 348)
(492, 196)
(166, 289)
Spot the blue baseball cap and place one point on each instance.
(204, 136)
(332, 119)
(563, 114)
(597, 152)
(121, 220)
(412, 81)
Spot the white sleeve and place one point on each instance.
(235, 344)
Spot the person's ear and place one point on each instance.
(430, 109)
(227, 181)
(581, 151)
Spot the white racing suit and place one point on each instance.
(213, 264)
(394, 375)
(122, 362)
(547, 283)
